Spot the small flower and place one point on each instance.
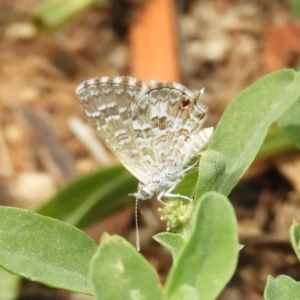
(177, 214)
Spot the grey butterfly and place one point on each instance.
(154, 128)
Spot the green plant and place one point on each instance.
(205, 249)
(51, 15)
(284, 287)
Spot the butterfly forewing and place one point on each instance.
(107, 103)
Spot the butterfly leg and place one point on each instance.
(168, 194)
(178, 196)
(159, 198)
(189, 167)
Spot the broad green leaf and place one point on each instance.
(118, 271)
(244, 124)
(171, 241)
(45, 250)
(9, 285)
(290, 123)
(211, 166)
(208, 259)
(92, 197)
(276, 142)
(295, 238)
(186, 292)
(282, 288)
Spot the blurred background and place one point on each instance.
(48, 47)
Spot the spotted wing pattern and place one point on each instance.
(167, 119)
(108, 102)
(151, 127)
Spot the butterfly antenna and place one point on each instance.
(137, 233)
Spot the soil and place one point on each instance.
(224, 46)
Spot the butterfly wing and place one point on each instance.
(108, 102)
(169, 134)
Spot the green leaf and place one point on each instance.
(187, 185)
(295, 238)
(290, 123)
(9, 285)
(276, 142)
(171, 241)
(209, 257)
(295, 6)
(282, 288)
(118, 271)
(45, 250)
(211, 166)
(51, 15)
(186, 292)
(244, 124)
(91, 198)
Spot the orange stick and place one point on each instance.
(153, 42)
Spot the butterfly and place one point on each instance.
(154, 128)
